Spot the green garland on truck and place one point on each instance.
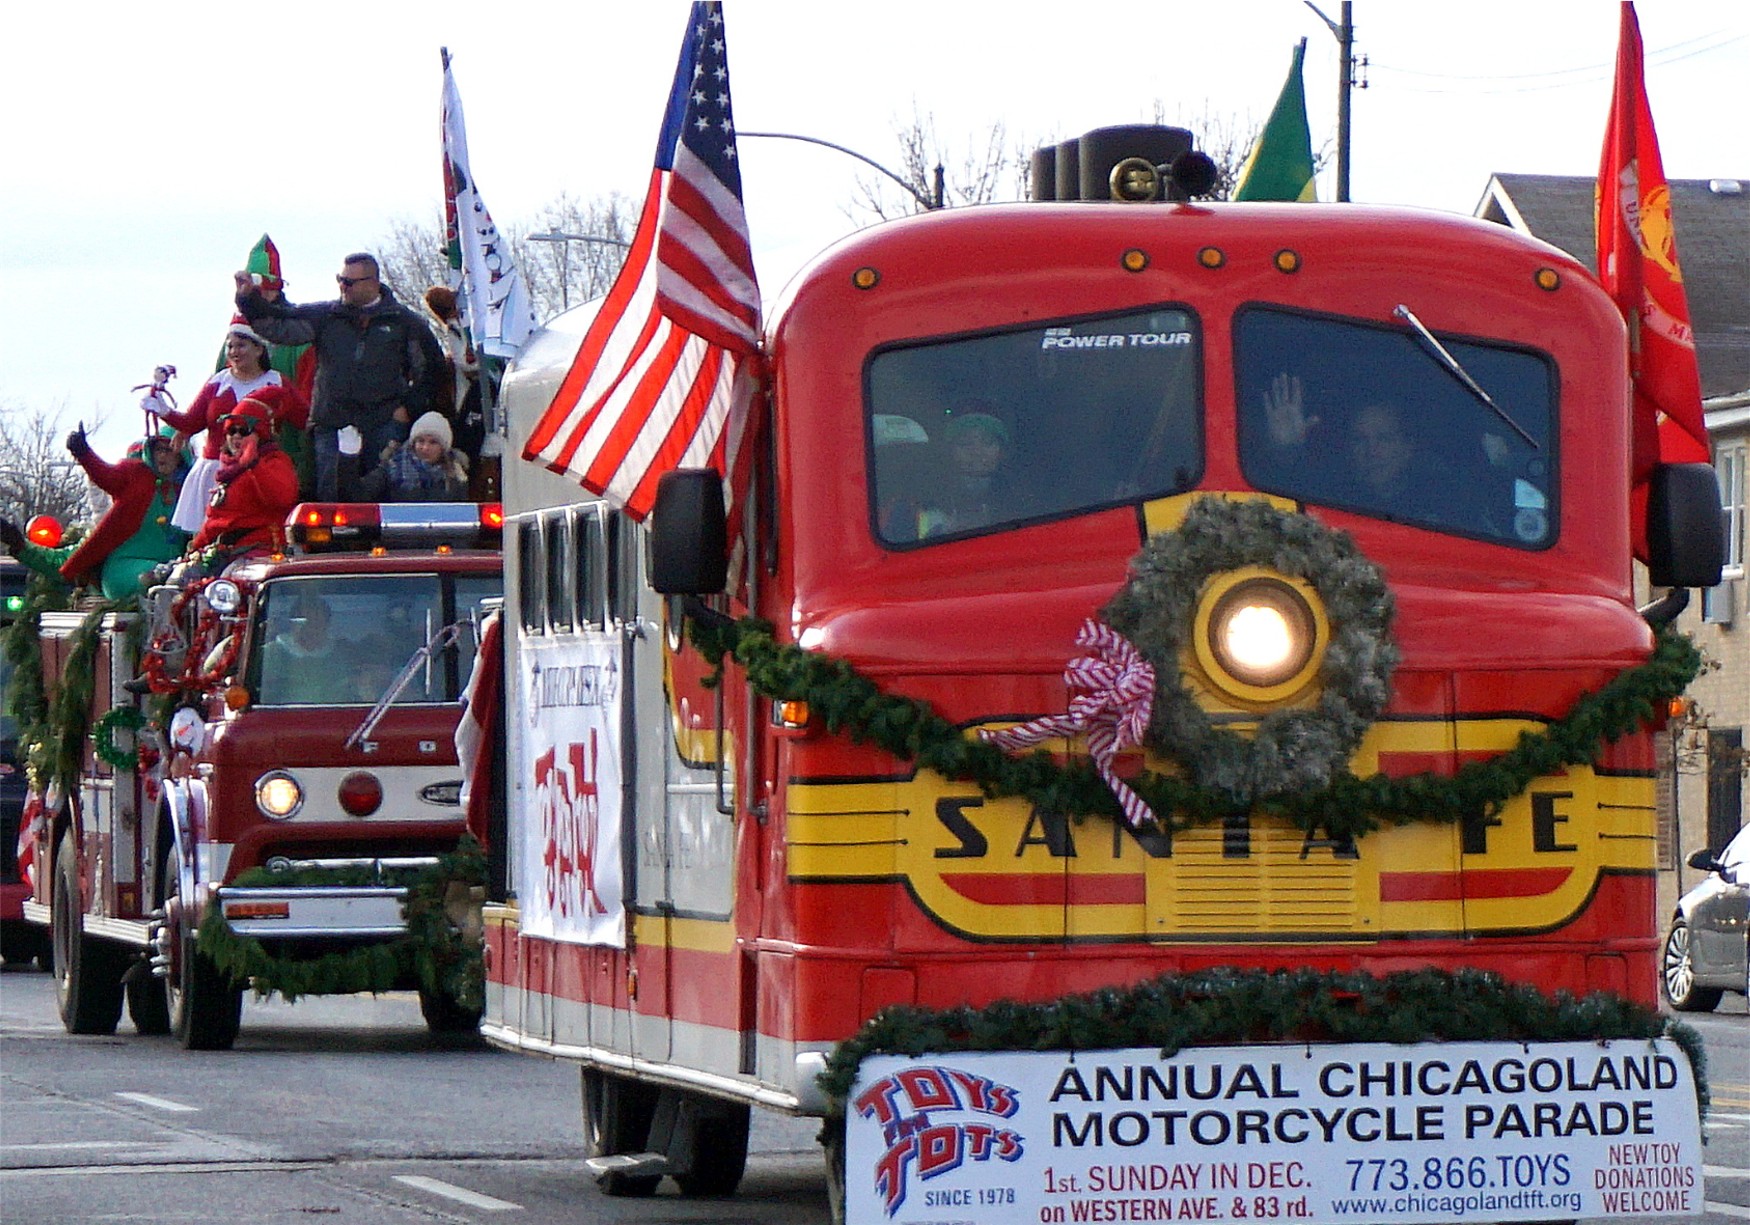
(1228, 1007)
(845, 700)
(433, 952)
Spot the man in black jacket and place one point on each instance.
(377, 364)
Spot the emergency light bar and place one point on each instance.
(332, 527)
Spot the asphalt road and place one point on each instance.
(347, 1110)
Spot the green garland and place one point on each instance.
(1227, 1007)
(1349, 807)
(118, 718)
(432, 953)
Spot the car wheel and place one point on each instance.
(1679, 975)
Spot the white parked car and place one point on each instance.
(1706, 950)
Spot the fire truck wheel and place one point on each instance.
(719, 1148)
(146, 1002)
(617, 1111)
(88, 971)
(205, 1008)
(444, 1016)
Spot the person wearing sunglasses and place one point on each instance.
(256, 488)
(377, 364)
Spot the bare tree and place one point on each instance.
(564, 271)
(985, 169)
(36, 475)
(560, 272)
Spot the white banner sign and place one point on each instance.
(1461, 1131)
(570, 884)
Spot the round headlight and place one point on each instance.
(223, 596)
(1262, 632)
(278, 795)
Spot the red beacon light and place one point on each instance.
(43, 530)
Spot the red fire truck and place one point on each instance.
(979, 429)
(294, 771)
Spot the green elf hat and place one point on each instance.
(264, 263)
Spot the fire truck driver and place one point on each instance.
(298, 664)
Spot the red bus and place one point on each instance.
(1354, 481)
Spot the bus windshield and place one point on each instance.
(343, 641)
(975, 434)
(1362, 417)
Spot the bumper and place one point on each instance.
(342, 913)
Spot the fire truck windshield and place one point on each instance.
(973, 434)
(343, 641)
(1359, 416)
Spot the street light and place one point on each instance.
(867, 161)
(565, 240)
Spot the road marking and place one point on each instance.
(1737, 1210)
(73, 1144)
(1724, 1171)
(462, 1196)
(159, 1103)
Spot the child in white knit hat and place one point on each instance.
(427, 469)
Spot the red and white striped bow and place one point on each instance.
(1112, 689)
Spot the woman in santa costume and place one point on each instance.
(246, 374)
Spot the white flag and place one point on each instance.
(489, 286)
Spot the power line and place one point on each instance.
(1587, 75)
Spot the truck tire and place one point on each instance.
(443, 1015)
(147, 1005)
(88, 971)
(617, 1112)
(205, 1007)
(719, 1143)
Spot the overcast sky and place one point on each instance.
(147, 147)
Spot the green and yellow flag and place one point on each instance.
(1281, 163)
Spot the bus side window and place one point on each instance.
(591, 571)
(564, 609)
(625, 550)
(531, 569)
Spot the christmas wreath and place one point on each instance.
(103, 737)
(1293, 749)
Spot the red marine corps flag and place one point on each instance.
(1637, 262)
(665, 373)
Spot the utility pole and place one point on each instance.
(1343, 30)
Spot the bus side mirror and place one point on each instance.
(689, 533)
(1686, 530)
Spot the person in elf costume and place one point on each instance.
(295, 363)
(134, 535)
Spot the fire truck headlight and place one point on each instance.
(1263, 634)
(278, 795)
(223, 597)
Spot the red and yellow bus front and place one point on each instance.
(1402, 436)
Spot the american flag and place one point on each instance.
(665, 373)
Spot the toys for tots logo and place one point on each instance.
(909, 1106)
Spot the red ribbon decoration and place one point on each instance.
(1112, 690)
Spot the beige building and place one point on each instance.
(1706, 770)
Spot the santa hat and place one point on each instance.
(240, 327)
(432, 425)
(264, 262)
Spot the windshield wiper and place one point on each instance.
(1446, 359)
